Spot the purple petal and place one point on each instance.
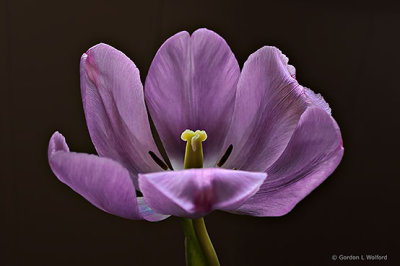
(312, 154)
(102, 181)
(196, 192)
(116, 116)
(191, 84)
(269, 103)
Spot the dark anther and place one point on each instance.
(225, 156)
(158, 160)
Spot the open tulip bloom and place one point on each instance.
(251, 142)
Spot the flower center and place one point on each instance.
(194, 148)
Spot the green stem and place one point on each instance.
(205, 242)
(193, 252)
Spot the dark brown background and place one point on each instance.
(349, 53)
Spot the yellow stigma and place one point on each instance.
(195, 138)
(194, 148)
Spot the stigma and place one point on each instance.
(194, 148)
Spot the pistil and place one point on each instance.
(194, 148)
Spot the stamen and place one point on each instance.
(225, 156)
(158, 160)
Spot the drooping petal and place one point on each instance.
(102, 181)
(191, 84)
(312, 154)
(194, 193)
(116, 116)
(269, 103)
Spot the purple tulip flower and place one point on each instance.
(260, 121)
